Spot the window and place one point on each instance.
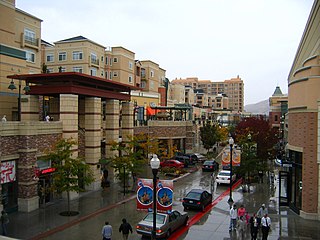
(151, 73)
(130, 65)
(110, 61)
(49, 70)
(50, 57)
(94, 59)
(130, 79)
(101, 58)
(151, 85)
(30, 37)
(93, 72)
(62, 69)
(62, 56)
(143, 84)
(115, 74)
(106, 60)
(77, 55)
(115, 60)
(31, 57)
(110, 75)
(106, 74)
(77, 69)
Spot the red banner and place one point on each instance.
(164, 195)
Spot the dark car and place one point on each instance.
(210, 165)
(172, 163)
(197, 199)
(166, 223)
(185, 160)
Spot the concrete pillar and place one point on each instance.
(30, 108)
(127, 121)
(69, 117)
(93, 137)
(112, 125)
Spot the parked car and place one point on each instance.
(224, 177)
(171, 163)
(210, 165)
(197, 199)
(199, 157)
(183, 159)
(166, 223)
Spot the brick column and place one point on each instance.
(127, 121)
(28, 199)
(93, 137)
(30, 108)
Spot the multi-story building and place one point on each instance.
(152, 76)
(278, 104)
(233, 89)
(303, 190)
(20, 35)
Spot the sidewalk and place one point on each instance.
(213, 225)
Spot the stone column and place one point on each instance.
(69, 118)
(112, 125)
(127, 121)
(30, 108)
(93, 137)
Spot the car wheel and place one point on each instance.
(168, 234)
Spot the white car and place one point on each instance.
(224, 177)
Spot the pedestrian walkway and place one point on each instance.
(46, 221)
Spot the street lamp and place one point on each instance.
(231, 142)
(155, 164)
(13, 87)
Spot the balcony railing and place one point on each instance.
(31, 41)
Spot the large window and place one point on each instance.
(93, 72)
(77, 69)
(31, 57)
(62, 56)
(94, 58)
(130, 79)
(151, 73)
(115, 74)
(115, 60)
(50, 57)
(30, 37)
(130, 65)
(77, 55)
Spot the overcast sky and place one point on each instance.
(209, 39)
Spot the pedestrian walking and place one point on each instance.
(4, 118)
(47, 118)
(233, 218)
(261, 212)
(265, 224)
(254, 227)
(4, 222)
(241, 211)
(107, 231)
(241, 227)
(125, 228)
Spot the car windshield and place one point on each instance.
(193, 195)
(159, 219)
(208, 163)
(224, 174)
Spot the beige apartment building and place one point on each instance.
(20, 35)
(231, 90)
(303, 149)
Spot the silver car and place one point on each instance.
(166, 223)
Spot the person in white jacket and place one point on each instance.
(233, 217)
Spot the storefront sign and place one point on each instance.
(8, 172)
(164, 196)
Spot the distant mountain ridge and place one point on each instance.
(258, 108)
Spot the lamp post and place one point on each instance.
(231, 142)
(155, 164)
(13, 87)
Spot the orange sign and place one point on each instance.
(236, 157)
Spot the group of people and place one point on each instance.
(241, 220)
(125, 228)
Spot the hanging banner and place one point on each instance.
(236, 157)
(164, 195)
(8, 172)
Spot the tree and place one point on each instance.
(262, 134)
(209, 135)
(70, 173)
